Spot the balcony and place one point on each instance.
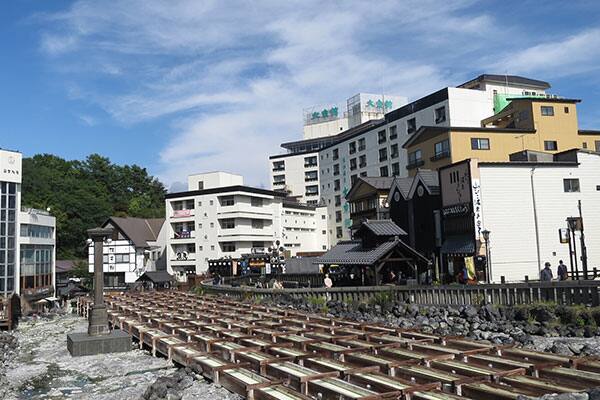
(184, 235)
(415, 164)
(309, 179)
(308, 165)
(279, 168)
(441, 156)
(278, 183)
(183, 213)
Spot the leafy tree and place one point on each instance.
(83, 194)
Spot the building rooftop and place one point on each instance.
(226, 189)
(384, 227)
(504, 80)
(139, 230)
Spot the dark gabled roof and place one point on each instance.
(430, 180)
(379, 182)
(428, 132)
(384, 227)
(403, 185)
(65, 265)
(156, 277)
(139, 230)
(504, 79)
(351, 252)
(463, 244)
(225, 189)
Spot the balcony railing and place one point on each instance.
(184, 235)
(282, 168)
(278, 183)
(183, 213)
(441, 156)
(415, 164)
(307, 165)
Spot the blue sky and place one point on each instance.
(186, 86)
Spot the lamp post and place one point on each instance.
(486, 238)
(572, 228)
(98, 320)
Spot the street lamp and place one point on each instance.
(486, 238)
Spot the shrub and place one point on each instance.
(383, 299)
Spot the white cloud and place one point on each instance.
(572, 55)
(88, 120)
(230, 78)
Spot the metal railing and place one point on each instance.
(564, 293)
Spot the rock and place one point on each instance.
(561, 348)
(594, 394)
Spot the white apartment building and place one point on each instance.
(297, 172)
(137, 246)
(221, 217)
(524, 205)
(375, 148)
(27, 239)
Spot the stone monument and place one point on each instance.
(99, 339)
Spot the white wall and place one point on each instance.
(507, 212)
(214, 179)
(324, 129)
(295, 175)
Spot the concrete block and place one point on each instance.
(82, 344)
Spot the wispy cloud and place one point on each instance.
(87, 120)
(230, 78)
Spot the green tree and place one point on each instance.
(83, 194)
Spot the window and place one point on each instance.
(598, 146)
(336, 154)
(312, 190)
(336, 169)
(336, 185)
(566, 110)
(338, 200)
(212, 224)
(361, 144)
(584, 145)
(338, 232)
(414, 157)
(571, 185)
(363, 174)
(310, 161)
(256, 202)
(362, 161)
(382, 137)
(278, 179)
(393, 132)
(550, 145)
(411, 125)
(200, 185)
(353, 164)
(394, 151)
(212, 247)
(258, 224)
(310, 176)
(121, 258)
(278, 165)
(312, 202)
(480, 144)
(352, 147)
(442, 149)
(227, 201)
(440, 115)
(228, 223)
(211, 202)
(338, 216)
(547, 111)
(228, 247)
(382, 154)
(353, 179)
(383, 171)
(258, 245)
(396, 169)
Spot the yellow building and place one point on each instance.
(540, 124)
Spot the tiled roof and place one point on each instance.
(156, 276)
(378, 182)
(383, 227)
(352, 253)
(463, 244)
(139, 230)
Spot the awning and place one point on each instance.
(459, 245)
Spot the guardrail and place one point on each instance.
(303, 280)
(565, 292)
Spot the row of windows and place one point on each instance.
(37, 231)
(8, 201)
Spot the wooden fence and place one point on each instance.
(566, 292)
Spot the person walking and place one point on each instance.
(562, 273)
(546, 273)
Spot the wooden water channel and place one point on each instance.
(275, 353)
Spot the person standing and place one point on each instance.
(327, 281)
(562, 273)
(546, 273)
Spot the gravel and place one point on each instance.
(38, 366)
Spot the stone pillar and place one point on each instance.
(98, 319)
